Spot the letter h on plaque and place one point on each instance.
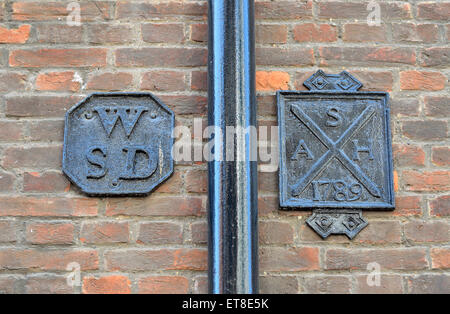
(335, 153)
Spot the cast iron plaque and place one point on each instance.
(335, 148)
(118, 143)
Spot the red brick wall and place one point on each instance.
(158, 243)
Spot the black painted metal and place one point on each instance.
(233, 234)
(118, 144)
(335, 152)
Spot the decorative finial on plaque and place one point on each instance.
(322, 81)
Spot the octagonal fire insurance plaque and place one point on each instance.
(118, 143)
(335, 148)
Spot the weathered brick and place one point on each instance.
(57, 81)
(366, 55)
(199, 232)
(10, 284)
(50, 233)
(429, 284)
(433, 10)
(39, 106)
(160, 233)
(407, 206)
(47, 284)
(199, 81)
(389, 284)
(200, 284)
(196, 181)
(155, 206)
(437, 106)
(163, 33)
(408, 107)
(186, 104)
(275, 232)
(110, 81)
(47, 260)
(310, 32)
(58, 207)
(420, 33)
(18, 35)
(199, 32)
(110, 34)
(421, 80)
(272, 81)
(358, 259)
(327, 284)
(435, 57)
(271, 34)
(440, 156)
(107, 285)
(266, 105)
(429, 130)
(6, 182)
(289, 259)
(64, 58)
(163, 259)
(172, 185)
(375, 81)
(163, 81)
(429, 181)
(267, 204)
(32, 157)
(11, 131)
(408, 155)
(163, 285)
(12, 82)
(427, 231)
(381, 232)
(104, 232)
(282, 10)
(358, 10)
(364, 33)
(46, 131)
(144, 11)
(440, 206)
(161, 57)
(9, 231)
(58, 34)
(46, 11)
(284, 57)
(278, 285)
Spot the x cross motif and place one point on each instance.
(334, 150)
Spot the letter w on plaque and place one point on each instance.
(335, 152)
(118, 143)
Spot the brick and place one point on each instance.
(429, 130)
(161, 57)
(58, 34)
(407, 107)
(47, 260)
(440, 156)
(427, 231)
(46, 131)
(163, 259)
(266, 105)
(172, 185)
(429, 284)
(284, 57)
(6, 182)
(278, 285)
(433, 11)
(437, 106)
(358, 10)
(39, 106)
(421, 80)
(2, 11)
(104, 232)
(393, 259)
(196, 181)
(381, 232)
(420, 33)
(18, 35)
(9, 231)
(163, 285)
(275, 232)
(282, 10)
(440, 258)
(163, 33)
(199, 32)
(440, 206)
(57, 81)
(435, 57)
(200, 285)
(271, 34)
(289, 259)
(408, 155)
(366, 55)
(389, 284)
(110, 34)
(272, 81)
(155, 206)
(160, 233)
(199, 81)
(47, 11)
(10, 284)
(407, 206)
(186, 104)
(49, 233)
(47, 284)
(364, 33)
(32, 157)
(429, 181)
(267, 205)
(110, 81)
(199, 231)
(12, 82)
(45, 207)
(375, 81)
(107, 285)
(311, 32)
(167, 81)
(43, 58)
(327, 284)
(145, 11)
